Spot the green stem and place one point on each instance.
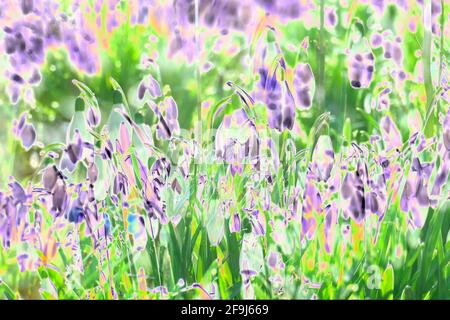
(321, 53)
(441, 44)
(427, 79)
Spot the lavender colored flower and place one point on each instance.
(120, 185)
(153, 203)
(304, 85)
(24, 131)
(273, 98)
(382, 101)
(92, 172)
(73, 153)
(235, 223)
(49, 177)
(237, 141)
(258, 222)
(286, 10)
(150, 85)
(93, 116)
(272, 260)
(376, 40)
(392, 50)
(312, 204)
(168, 125)
(59, 196)
(331, 18)
(415, 198)
(353, 191)
(76, 214)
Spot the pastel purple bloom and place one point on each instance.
(304, 85)
(92, 172)
(353, 192)
(73, 153)
(286, 10)
(237, 141)
(415, 198)
(59, 196)
(376, 40)
(24, 131)
(49, 177)
(153, 203)
(312, 204)
(392, 50)
(120, 185)
(273, 259)
(361, 66)
(235, 223)
(331, 18)
(167, 113)
(258, 222)
(93, 116)
(150, 85)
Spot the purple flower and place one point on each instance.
(73, 153)
(415, 197)
(49, 177)
(273, 259)
(18, 192)
(59, 196)
(392, 50)
(235, 223)
(153, 203)
(93, 116)
(150, 85)
(76, 214)
(353, 191)
(331, 18)
(120, 185)
(304, 85)
(360, 69)
(237, 141)
(92, 172)
(168, 125)
(286, 10)
(382, 101)
(24, 131)
(312, 204)
(376, 40)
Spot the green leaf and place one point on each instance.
(6, 291)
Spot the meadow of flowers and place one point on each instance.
(212, 149)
